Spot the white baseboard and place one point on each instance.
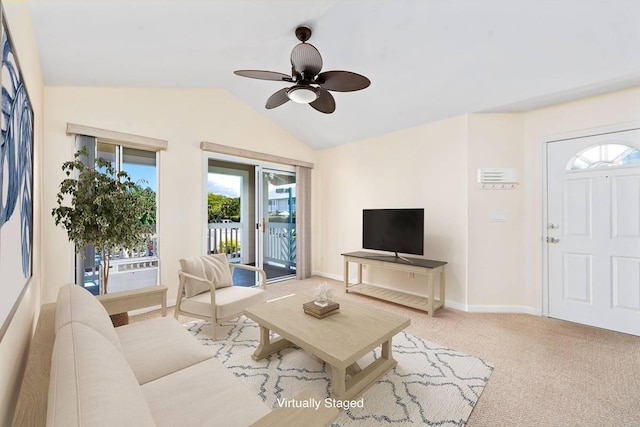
(516, 309)
(328, 275)
(456, 305)
(469, 308)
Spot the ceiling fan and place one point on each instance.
(310, 86)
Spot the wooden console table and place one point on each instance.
(421, 266)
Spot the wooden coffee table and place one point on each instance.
(340, 340)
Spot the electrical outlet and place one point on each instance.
(412, 275)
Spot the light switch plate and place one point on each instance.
(498, 216)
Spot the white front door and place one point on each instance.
(593, 230)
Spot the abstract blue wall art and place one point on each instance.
(16, 182)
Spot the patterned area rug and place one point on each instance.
(431, 385)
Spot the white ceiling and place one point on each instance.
(426, 59)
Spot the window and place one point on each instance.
(605, 155)
(131, 268)
(273, 206)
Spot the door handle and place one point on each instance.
(552, 240)
(553, 226)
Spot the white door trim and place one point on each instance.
(602, 130)
(543, 229)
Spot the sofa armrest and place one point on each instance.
(31, 408)
(119, 302)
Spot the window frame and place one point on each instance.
(124, 139)
(615, 162)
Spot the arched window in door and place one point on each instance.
(605, 155)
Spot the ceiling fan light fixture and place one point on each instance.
(302, 95)
(310, 85)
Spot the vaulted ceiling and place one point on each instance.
(427, 59)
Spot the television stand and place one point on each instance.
(426, 267)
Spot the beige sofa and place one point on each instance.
(83, 372)
(151, 373)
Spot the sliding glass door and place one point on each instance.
(251, 216)
(231, 220)
(276, 205)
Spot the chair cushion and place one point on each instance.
(76, 304)
(230, 301)
(91, 383)
(194, 266)
(158, 347)
(206, 394)
(218, 270)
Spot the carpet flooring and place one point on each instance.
(431, 385)
(547, 372)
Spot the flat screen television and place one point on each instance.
(393, 230)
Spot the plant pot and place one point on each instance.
(120, 319)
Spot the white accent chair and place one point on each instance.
(206, 289)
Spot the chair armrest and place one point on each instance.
(263, 275)
(212, 288)
(196, 278)
(212, 294)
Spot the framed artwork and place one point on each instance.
(16, 182)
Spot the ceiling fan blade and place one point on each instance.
(342, 81)
(325, 102)
(306, 59)
(277, 99)
(264, 75)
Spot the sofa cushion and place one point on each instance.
(91, 383)
(76, 304)
(229, 301)
(206, 394)
(158, 347)
(196, 267)
(217, 270)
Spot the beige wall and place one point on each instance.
(184, 118)
(505, 259)
(15, 343)
(422, 167)
(495, 248)
(494, 266)
(431, 166)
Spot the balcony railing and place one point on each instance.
(123, 263)
(224, 238)
(279, 242)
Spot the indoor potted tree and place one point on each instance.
(99, 207)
